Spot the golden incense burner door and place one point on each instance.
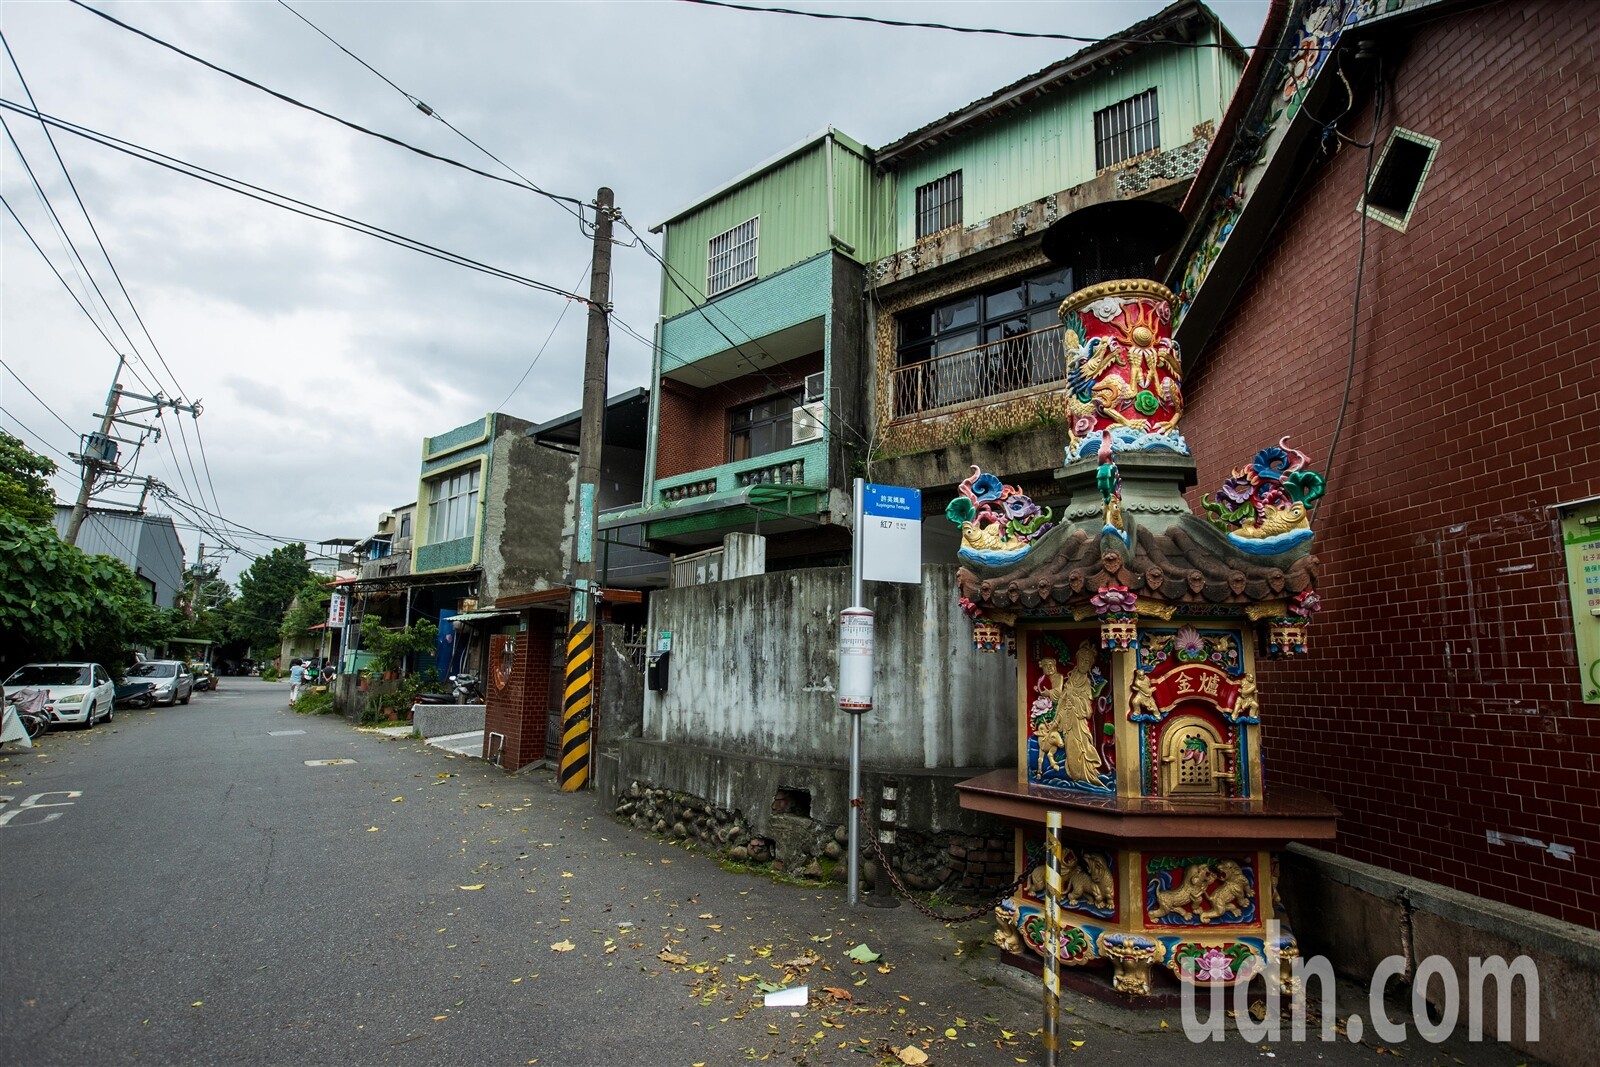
(1193, 760)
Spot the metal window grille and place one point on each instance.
(1126, 129)
(939, 204)
(731, 257)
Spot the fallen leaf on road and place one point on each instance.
(197, 1003)
(485, 805)
(911, 1055)
(1077, 1044)
(563, 946)
(836, 993)
(566, 874)
(396, 800)
(672, 957)
(802, 961)
(862, 954)
(436, 1018)
(469, 888)
(372, 829)
(707, 915)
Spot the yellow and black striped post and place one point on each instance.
(1052, 936)
(576, 705)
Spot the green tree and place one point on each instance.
(25, 482)
(310, 607)
(265, 592)
(56, 602)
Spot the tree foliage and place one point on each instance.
(389, 648)
(25, 483)
(310, 607)
(57, 602)
(265, 592)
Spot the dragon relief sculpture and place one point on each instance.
(999, 522)
(1264, 506)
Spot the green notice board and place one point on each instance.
(1580, 534)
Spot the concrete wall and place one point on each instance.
(754, 669)
(1356, 914)
(527, 505)
(438, 720)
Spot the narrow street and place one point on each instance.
(180, 886)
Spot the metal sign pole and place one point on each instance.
(853, 865)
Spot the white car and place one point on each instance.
(80, 693)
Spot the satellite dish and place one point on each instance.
(1117, 239)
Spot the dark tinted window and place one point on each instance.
(50, 674)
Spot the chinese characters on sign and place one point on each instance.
(891, 534)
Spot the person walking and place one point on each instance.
(297, 677)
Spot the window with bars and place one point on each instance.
(453, 506)
(1126, 129)
(731, 257)
(939, 204)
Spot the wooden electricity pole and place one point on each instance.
(577, 706)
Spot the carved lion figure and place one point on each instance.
(1094, 885)
(1232, 896)
(1186, 898)
(1006, 935)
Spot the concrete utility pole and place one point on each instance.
(100, 452)
(577, 707)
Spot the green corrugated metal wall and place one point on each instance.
(1048, 145)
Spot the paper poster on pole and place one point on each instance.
(891, 534)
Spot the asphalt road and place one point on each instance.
(201, 895)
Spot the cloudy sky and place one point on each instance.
(323, 356)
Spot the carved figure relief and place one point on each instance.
(1091, 882)
(1065, 719)
(1200, 890)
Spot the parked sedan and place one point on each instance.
(174, 684)
(80, 693)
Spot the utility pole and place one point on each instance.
(577, 708)
(100, 453)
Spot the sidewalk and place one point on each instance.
(697, 945)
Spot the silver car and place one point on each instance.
(173, 682)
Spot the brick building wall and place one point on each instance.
(517, 710)
(1440, 702)
(693, 432)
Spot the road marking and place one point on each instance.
(328, 762)
(33, 803)
(283, 733)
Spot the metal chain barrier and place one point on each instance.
(980, 912)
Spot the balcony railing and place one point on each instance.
(790, 472)
(994, 369)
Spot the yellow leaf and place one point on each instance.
(469, 888)
(197, 1003)
(1077, 1044)
(1163, 1024)
(707, 915)
(514, 981)
(396, 800)
(672, 957)
(566, 874)
(950, 1033)
(436, 1018)
(485, 805)
(372, 829)
(563, 946)
(911, 1055)
(1008, 1034)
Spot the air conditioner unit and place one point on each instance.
(808, 423)
(814, 387)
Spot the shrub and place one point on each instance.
(313, 703)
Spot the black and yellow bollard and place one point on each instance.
(576, 706)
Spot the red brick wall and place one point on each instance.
(694, 422)
(1441, 701)
(517, 710)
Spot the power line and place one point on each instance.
(49, 263)
(35, 436)
(898, 24)
(420, 105)
(283, 201)
(325, 114)
(535, 361)
(37, 397)
(93, 229)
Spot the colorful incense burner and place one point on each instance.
(1138, 625)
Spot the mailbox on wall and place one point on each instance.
(655, 671)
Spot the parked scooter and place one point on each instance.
(464, 689)
(134, 694)
(28, 707)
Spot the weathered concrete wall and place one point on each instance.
(743, 555)
(1357, 914)
(437, 720)
(755, 662)
(527, 505)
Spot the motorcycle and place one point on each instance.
(27, 708)
(464, 689)
(132, 694)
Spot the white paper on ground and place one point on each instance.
(793, 997)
